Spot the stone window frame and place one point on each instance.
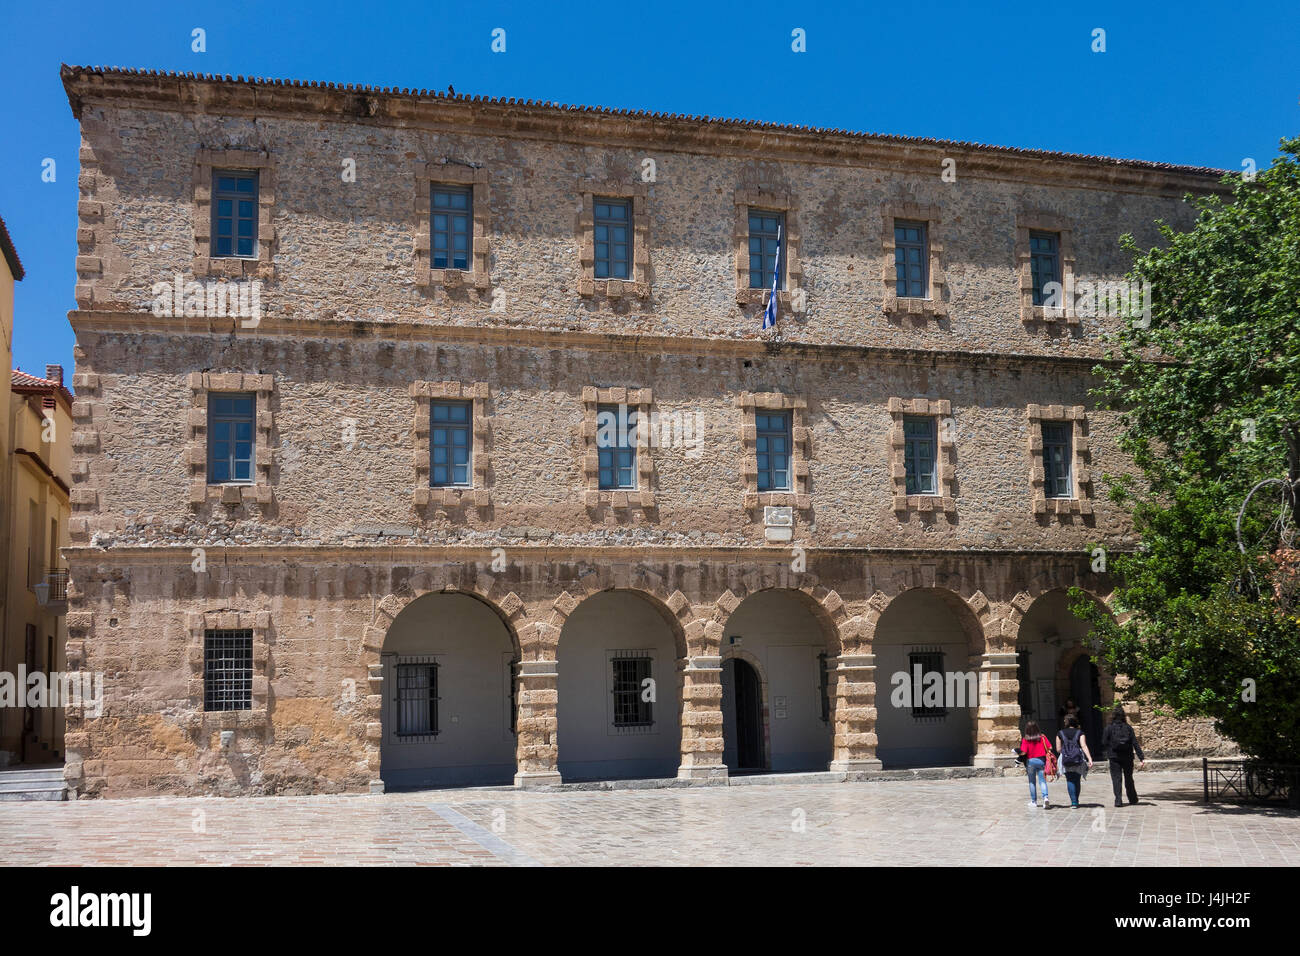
(259, 490)
(259, 622)
(619, 499)
(777, 201)
(1038, 221)
(479, 394)
(585, 231)
(801, 457)
(206, 162)
(945, 500)
(932, 307)
(479, 179)
(1080, 464)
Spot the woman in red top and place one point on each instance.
(1035, 746)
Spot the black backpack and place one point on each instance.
(1071, 752)
(1121, 740)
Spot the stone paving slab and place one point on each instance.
(963, 822)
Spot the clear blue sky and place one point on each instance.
(1191, 82)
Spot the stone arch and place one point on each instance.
(486, 588)
(905, 738)
(826, 605)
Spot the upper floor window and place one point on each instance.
(1045, 264)
(616, 427)
(450, 444)
(449, 224)
(232, 419)
(613, 237)
(228, 670)
(1057, 457)
(234, 213)
(632, 705)
(911, 259)
(764, 228)
(772, 444)
(919, 456)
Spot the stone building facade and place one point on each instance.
(335, 607)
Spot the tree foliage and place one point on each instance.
(1208, 392)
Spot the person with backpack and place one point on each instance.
(1120, 744)
(1076, 759)
(1037, 750)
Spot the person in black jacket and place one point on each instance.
(1120, 743)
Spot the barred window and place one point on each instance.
(417, 698)
(772, 444)
(227, 670)
(930, 662)
(631, 709)
(616, 427)
(1057, 455)
(764, 229)
(232, 419)
(449, 224)
(911, 259)
(450, 444)
(1044, 263)
(613, 238)
(234, 213)
(919, 457)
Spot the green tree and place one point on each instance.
(1207, 386)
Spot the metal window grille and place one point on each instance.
(450, 444)
(824, 682)
(417, 697)
(764, 227)
(911, 259)
(1026, 696)
(231, 427)
(1044, 262)
(630, 707)
(449, 225)
(613, 239)
(234, 213)
(930, 661)
(616, 427)
(228, 670)
(1057, 459)
(772, 444)
(513, 683)
(919, 455)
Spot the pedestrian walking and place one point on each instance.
(1037, 749)
(1076, 758)
(1120, 744)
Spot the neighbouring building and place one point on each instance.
(428, 439)
(36, 445)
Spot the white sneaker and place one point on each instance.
(1033, 804)
(1044, 803)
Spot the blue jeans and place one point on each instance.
(1036, 777)
(1073, 782)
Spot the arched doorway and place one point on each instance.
(448, 695)
(776, 636)
(742, 717)
(1054, 652)
(923, 632)
(618, 707)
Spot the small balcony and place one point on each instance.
(52, 593)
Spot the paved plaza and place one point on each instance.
(938, 822)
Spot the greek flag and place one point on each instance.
(769, 315)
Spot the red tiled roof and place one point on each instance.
(68, 72)
(22, 381)
(10, 253)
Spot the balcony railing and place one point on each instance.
(52, 593)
